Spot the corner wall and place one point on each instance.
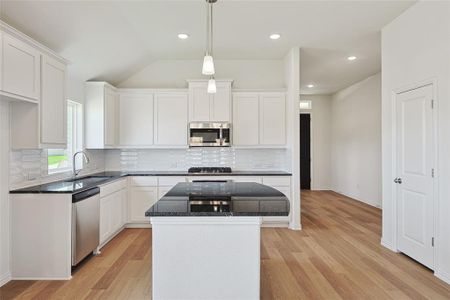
(292, 81)
(416, 49)
(356, 141)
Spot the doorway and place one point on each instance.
(415, 174)
(305, 151)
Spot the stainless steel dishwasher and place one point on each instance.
(85, 223)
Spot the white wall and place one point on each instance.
(321, 140)
(356, 141)
(4, 193)
(416, 48)
(173, 73)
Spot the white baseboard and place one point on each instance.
(389, 246)
(41, 278)
(443, 276)
(138, 225)
(5, 278)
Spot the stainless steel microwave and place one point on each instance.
(210, 134)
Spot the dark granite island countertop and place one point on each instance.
(220, 199)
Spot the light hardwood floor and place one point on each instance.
(337, 255)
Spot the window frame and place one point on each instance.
(76, 134)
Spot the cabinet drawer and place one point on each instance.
(170, 180)
(112, 187)
(277, 181)
(144, 181)
(247, 179)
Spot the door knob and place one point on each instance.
(398, 180)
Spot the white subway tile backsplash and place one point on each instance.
(29, 167)
(182, 159)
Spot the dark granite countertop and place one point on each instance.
(69, 187)
(220, 199)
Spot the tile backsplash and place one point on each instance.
(182, 159)
(29, 167)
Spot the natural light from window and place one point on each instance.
(60, 160)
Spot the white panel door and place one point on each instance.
(142, 198)
(415, 157)
(136, 120)
(199, 102)
(53, 103)
(245, 119)
(20, 68)
(220, 108)
(111, 118)
(171, 119)
(272, 119)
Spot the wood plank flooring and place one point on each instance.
(337, 255)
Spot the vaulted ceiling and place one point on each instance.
(111, 40)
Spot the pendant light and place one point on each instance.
(208, 61)
(212, 88)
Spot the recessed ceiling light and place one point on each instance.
(310, 85)
(275, 36)
(183, 36)
(351, 57)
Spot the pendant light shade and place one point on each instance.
(208, 65)
(212, 89)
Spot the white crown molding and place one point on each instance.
(29, 40)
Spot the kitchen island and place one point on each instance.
(206, 239)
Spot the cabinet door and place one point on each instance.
(199, 102)
(245, 119)
(220, 107)
(116, 211)
(136, 119)
(20, 68)
(142, 198)
(105, 218)
(171, 119)
(272, 119)
(53, 103)
(110, 117)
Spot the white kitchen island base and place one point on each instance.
(206, 257)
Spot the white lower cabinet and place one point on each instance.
(142, 198)
(113, 199)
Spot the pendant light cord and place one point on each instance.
(209, 27)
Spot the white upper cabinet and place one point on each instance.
(35, 79)
(272, 116)
(259, 119)
(136, 119)
(171, 118)
(199, 102)
(111, 118)
(101, 108)
(53, 102)
(20, 68)
(204, 107)
(245, 119)
(220, 103)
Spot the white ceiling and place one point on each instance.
(111, 40)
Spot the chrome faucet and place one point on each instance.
(86, 160)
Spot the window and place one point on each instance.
(305, 104)
(60, 160)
